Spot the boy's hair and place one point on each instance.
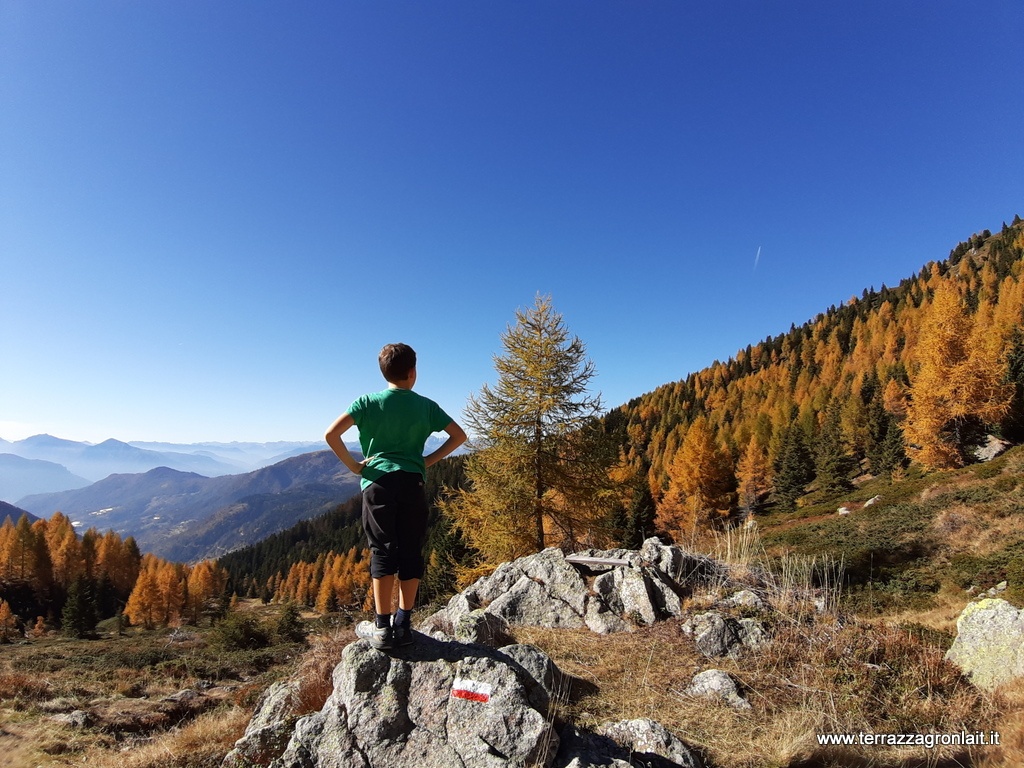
(396, 361)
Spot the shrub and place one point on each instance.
(289, 626)
(241, 632)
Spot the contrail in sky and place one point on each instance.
(758, 257)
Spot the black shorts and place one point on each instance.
(395, 522)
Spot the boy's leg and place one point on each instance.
(380, 506)
(412, 533)
(383, 594)
(407, 593)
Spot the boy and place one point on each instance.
(393, 426)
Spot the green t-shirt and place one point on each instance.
(394, 424)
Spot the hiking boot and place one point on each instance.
(380, 638)
(404, 635)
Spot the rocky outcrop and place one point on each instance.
(989, 644)
(638, 588)
(434, 704)
(442, 703)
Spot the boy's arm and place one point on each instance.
(456, 437)
(333, 438)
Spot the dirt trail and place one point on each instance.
(16, 749)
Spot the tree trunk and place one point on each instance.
(538, 488)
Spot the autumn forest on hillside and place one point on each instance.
(912, 378)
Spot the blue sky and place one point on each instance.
(214, 214)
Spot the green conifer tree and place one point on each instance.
(832, 463)
(794, 469)
(78, 619)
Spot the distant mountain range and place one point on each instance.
(181, 502)
(184, 516)
(60, 465)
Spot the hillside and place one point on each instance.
(13, 512)
(863, 387)
(21, 477)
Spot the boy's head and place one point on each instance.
(396, 362)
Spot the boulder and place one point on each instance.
(664, 592)
(682, 567)
(752, 633)
(488, 588)
(745, 599)
(543, 679)
(624, 591)
(989, 644)
(79, 719)
(623, 745)
(269, 730)
(432, 704)
(561, 580)
(601, 619)
(992, 448)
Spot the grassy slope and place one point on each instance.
(928, 539)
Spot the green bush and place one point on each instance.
(289, 625)
(240, 632)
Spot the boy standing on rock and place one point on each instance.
(394, 425)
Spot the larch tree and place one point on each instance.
(753, 475)
(143, 608)
(959, 386)
(539, 473)
(65, 550)
(172, 593)
(700, 483)
(8, 622)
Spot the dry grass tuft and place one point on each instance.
(202, 743)
(1010, 726)
(315, 673)
(18, 687)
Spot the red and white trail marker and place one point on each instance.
(472, 690)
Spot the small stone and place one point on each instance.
(715, 683)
